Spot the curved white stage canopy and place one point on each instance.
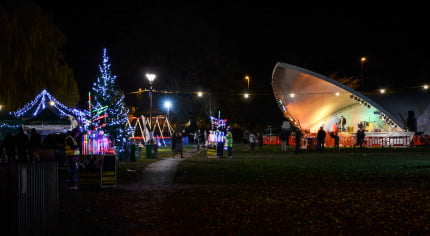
(311, 100)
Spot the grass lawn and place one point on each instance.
(351, 192)
(383, 191)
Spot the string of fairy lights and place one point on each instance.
(40, 102)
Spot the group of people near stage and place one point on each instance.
(288, 130)
(321, 135)
(251, 140)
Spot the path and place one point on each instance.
(158, 175)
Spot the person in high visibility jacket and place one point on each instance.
(228, 138)
(71, 151)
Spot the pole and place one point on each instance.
(362, 60)
(247, 80)
(150, 109)
(362, 82)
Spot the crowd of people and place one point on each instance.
(289, 132)
(26, 146)
(20, 147)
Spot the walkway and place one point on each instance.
(158, 175)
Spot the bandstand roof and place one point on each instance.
(307, 98)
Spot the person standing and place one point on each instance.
(260, 140)
(35, 144)
(284, 139)
(360, 138)
(200, 139)
(320, 139)
(342, 123)
(252, 140)
(205, 137)
(2, 156)
(228, 139)
(286, 127)
(245, 140)
(71, 150)
(195, 137)
(298, 137)
(22, 145)
(178, 144)
(335, 136)
(173, 143)
(10, 147)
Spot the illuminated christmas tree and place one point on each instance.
(107, 108)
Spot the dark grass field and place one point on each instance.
(351, 192)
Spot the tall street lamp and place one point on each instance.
(362, 60)
(167, 104)
(151, 78)
(247, 78)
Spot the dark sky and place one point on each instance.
(324, 40)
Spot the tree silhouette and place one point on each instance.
(350, 81)
(31, 59)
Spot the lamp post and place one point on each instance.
(151, 78)
(362, 60)
(247, 78)
(167, 104)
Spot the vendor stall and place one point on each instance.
(98, 161)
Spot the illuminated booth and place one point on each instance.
(310, 101)
(215, 141)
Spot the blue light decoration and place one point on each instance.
(40, 102)
(8, 126)
(108, 111)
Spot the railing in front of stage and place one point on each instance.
(374, 141)
(349, 141)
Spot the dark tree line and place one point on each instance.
(31, 58)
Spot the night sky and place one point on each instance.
(252, 40)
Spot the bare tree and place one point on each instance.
(350, 81)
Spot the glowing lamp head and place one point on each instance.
(167, 104)
(51, 103)
(150, 77)
(292, 95)
(425, 86)
(363, 59)
(246, 95)
(382, 91)
(199, 94)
